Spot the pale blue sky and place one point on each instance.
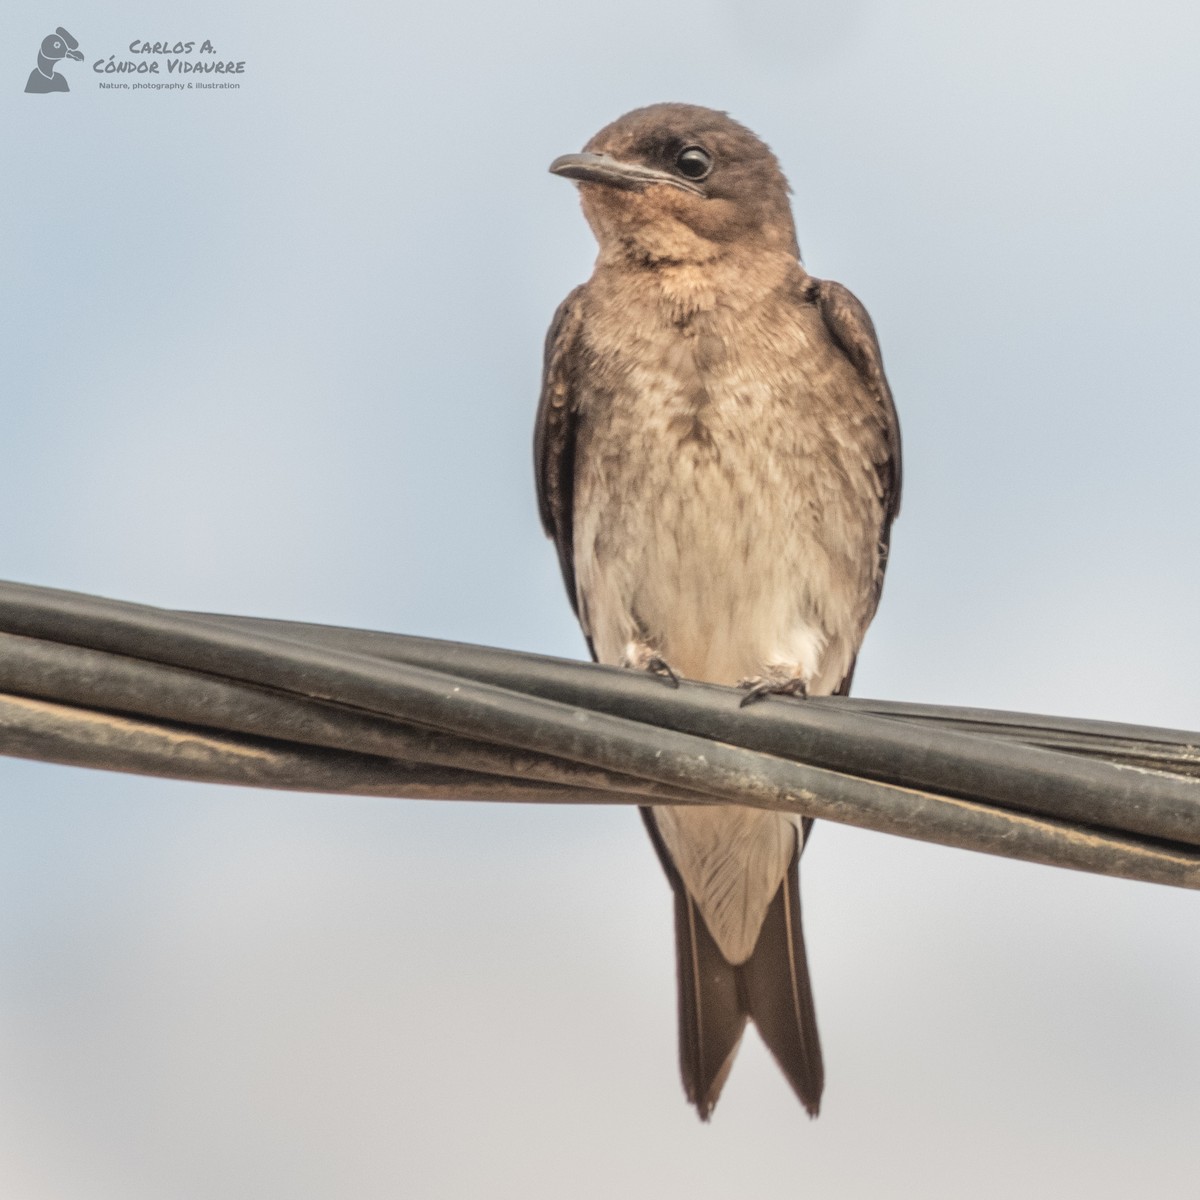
(276, 351)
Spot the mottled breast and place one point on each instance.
(727, 508)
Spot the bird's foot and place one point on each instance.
(778, 681)
(639, 656)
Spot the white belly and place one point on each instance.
(710, 549)
(709, 526)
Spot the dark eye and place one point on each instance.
(693, 162)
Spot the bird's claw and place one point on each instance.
(657, 665)
(758, 686)
(640, 657)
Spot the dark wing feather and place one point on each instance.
(850, 326)
(554, 437)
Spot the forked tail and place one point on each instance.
(716, 997)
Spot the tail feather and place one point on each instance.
(711, 1013)
(778, 995)
(716, 998)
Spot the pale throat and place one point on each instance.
(734, 280)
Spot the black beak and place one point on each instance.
(77, 55)
(603, 168)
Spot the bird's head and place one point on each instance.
(676, 183)
(60, 44)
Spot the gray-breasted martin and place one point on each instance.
(718, 463)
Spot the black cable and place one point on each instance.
(409, 713)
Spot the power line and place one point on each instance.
(245, 701)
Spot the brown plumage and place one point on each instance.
(718, 463)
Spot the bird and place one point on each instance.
(54, 48)
(717, 460)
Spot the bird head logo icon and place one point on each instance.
(54, 48)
